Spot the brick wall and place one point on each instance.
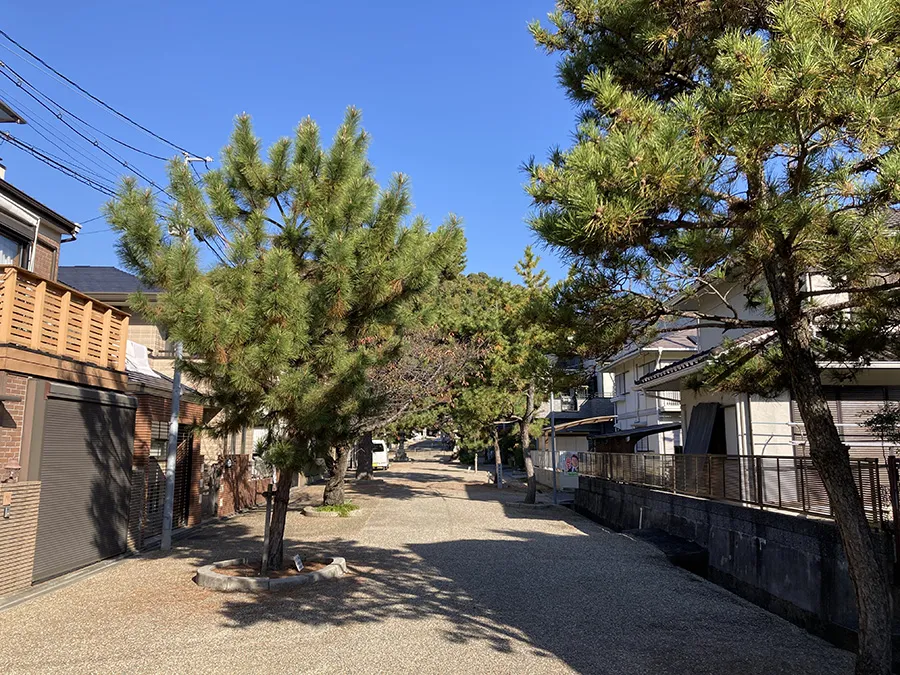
(12, 416)
(18, 534)
(148, 473)
(237, 490)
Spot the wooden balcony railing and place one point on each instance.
(52, 318)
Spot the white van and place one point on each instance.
(380, 455)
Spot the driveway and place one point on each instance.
(447, 577)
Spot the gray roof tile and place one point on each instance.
(99, 279)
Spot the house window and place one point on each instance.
(644, 369)
(159, 439)
(9, 251)
(620, 384)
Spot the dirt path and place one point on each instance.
(447, 578)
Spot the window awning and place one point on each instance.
(18, 220)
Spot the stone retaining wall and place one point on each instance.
(791, 565)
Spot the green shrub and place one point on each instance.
(343, 509)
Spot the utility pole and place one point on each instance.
(553, 457)
(171, 455)
(174, 413)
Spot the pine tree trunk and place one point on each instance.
(401, 450)
(364, 468)
(279, 517)
(525, 441)
(334, 488)
(831, 458)
(498, 463)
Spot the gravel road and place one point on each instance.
(447, 577)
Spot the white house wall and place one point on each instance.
(708, 302)
(769, 421)
(771, 425)
(640, 408)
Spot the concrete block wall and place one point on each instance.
(789, 564)
(18, 535)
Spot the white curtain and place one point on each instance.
(9, 251)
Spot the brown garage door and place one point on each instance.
(85, 472)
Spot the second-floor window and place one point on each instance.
(11, 251)
(620, 384)
(645, 369)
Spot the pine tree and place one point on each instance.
(750, 141)
(316, 284)
(529, 346)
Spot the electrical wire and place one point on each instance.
(105, 180)
(19, 83)
(59, 166)
(91, 126)
(93, 174)
(55, 162)
(37, 121)
(97, 100)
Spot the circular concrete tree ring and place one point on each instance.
(207, 577)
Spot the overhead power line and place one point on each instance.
(68, 112)
(97, 100)
(56, 164)
(37, 121)
(20, 82)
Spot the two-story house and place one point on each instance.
(579, 412)
(221, 466)
(66, 418)
(646, 421)
(728, 423)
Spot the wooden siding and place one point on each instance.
(48, 317)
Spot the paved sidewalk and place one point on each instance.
(447, 579)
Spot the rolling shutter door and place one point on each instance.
(798, 434)
(85, 473)
(850, 406)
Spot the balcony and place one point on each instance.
(668, 401)
(49, 319)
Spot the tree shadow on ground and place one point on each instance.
(597, 601)
(565, 596)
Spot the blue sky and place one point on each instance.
(454, 94)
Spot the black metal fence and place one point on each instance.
(787, 483)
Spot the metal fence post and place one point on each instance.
(802, 487)
(778, 479)
(674, 469)
(759, 482)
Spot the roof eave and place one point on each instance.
(44, 211)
